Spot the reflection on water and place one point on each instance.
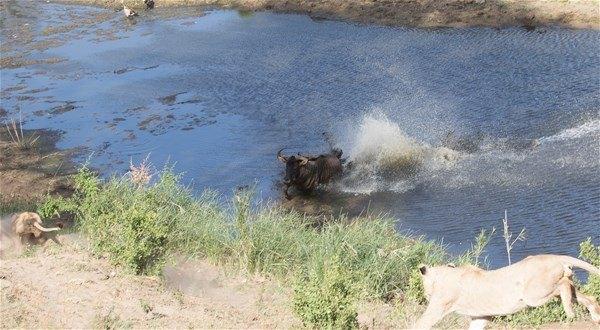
(220, 92)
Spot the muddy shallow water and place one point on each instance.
(219, 92)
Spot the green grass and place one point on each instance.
(142, 227)
(331, 265)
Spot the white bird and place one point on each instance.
(128, 12)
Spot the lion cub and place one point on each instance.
(480, 294)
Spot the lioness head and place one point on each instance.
(428, 276)
(427, 280)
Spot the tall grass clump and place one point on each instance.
(330, 264)
(378, 259)
(139, 226)
(338, 264)
(591, 253)
(17, 136)
(326, 296)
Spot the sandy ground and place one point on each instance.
(65, 287)
(422, 13)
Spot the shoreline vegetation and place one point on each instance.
(422, 13)
(331, 266)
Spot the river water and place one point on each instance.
(219, 92)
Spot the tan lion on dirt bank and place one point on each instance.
(26, 228)
(480, 294)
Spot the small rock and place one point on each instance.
(5, 284)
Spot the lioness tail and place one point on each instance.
(580, 264)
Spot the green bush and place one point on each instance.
(326, 298)
(591, 254)
(138, 227)
(128, 224)
(415, 292)
(55, 206)
(141, 226)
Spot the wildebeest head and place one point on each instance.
(293, 164)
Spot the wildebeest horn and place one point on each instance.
(281, 157)
(303, 160)
(38, 226)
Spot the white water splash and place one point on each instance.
(588, 128)
(383, 157)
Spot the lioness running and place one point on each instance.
(480, 294)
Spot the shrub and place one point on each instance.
(415, 292)
(55, 206)
(137, 226)
(591, 254)
(326, 298)
(128, 224)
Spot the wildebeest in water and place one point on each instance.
(305, 172)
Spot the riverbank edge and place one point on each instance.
(32, 167)
(583, 14)
(259, 242)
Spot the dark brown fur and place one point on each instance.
(305, 173)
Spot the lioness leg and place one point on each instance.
(565, 288)
(433, 314)
(590, 303)
(478, 323)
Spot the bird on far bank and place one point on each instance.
(129, 12)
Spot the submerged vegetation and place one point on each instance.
(331, 265)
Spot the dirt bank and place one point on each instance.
(420, 13)
(33, 168)
(65, 287)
